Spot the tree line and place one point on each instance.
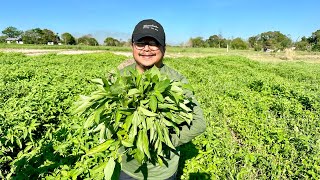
(271, 40)
(43, 36)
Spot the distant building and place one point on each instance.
(17, 40)
(50, 43)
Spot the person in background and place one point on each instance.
(148, 49)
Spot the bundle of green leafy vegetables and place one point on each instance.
(135, 115)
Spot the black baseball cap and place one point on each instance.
(149, 28)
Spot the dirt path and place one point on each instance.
(258, 56)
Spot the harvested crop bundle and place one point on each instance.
(135, 115)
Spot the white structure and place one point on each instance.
(16, 40)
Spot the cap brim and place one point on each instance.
(137, 37)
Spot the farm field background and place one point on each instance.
(262, 116)
(173, 52)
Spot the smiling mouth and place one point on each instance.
(147, 56)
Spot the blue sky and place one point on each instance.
(180, 19)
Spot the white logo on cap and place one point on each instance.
(153, 27)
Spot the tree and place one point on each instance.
(275, 40)
(68, 39)
(252, 41)
(270, 40)
(3, 39)
(88, 40)
(33, 36)
(109, 41)
(48, 36)
(238, 43)
(12, 32)
(315, 38)
(314, 41)
(303, 44)
(197, 42)
(39, 36)
(255, 43)
(214, 41)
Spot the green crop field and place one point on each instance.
(263, 118)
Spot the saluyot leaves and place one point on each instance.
(135, 112)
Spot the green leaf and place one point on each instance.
(139, 155)
(187, 116)
(162, 85)
(168, 115)
(97, 81)
(98, 128)
(153, 135)
(126, 143)
(100, 148)
(89, 122)
(159, 96)
(168, 123)
(167, 106)
(177, 119)
(159, 147)
(109, 169)
(18, 142)
(144, 123)
(145, 143)
(105, 84)
(118, 117)
(77, 172)
(147, 86)
(154, 71)
(167, 140)
(188, 87)
(99, 168)
(146, 112)
(128, 122)
(160, 161)
(183, 106)
(95, 117)
(149, 122)
(155, 78)
(102, 133)
(176, 89)
(153, 103)
(136, 120)
(176, 96)
(133, 91)
(82, 105)
(144, 102)
(126, 111)
(140, 141)
(169, 99)
(133, 132)
(159, 132)
(171, 124)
